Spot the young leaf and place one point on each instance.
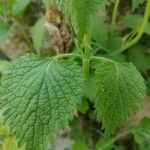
(136, 3)
(38, 97)
(37, 34)
(120, 92)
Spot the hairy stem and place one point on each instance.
(114, 16)
(140, 32)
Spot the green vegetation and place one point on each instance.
(94, 86)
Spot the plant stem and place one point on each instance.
(87, 53)
(121, 135)
(114, 16)
(140, 32)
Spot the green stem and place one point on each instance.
(87, 53)
(140, 32)
(114, 16)
(129, 36)
(121, 135)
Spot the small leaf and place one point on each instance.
(120, 92)
(37, 34)
(39, 96)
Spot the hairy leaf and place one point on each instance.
(120, 92)
(38, 97)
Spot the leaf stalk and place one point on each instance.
(114, 16)
(140, 32)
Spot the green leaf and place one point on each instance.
(39, 96)
(120, 92)
(134, 22)
(20, 6)
(37, 34)
(90, 87)
(136, 3)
